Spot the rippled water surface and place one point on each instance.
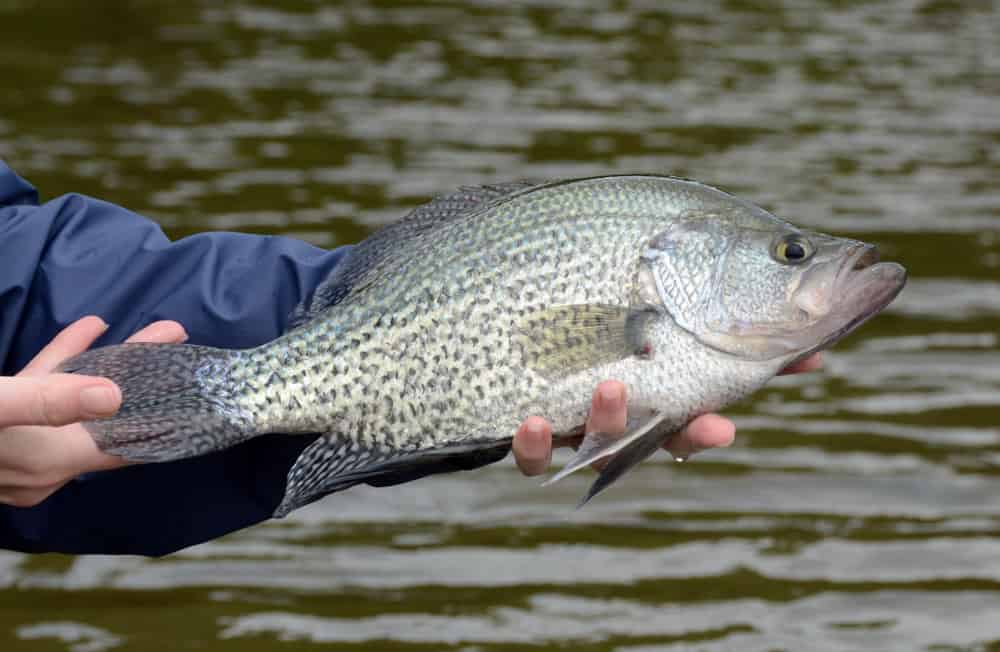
(860, 506)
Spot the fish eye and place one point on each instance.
(792, 250)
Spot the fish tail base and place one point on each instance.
(174, 401)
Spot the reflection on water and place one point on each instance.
(858, 508)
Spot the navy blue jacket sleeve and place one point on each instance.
(75, 256)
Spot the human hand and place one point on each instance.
(42, 444)
(533, 441)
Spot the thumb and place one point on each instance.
(56, 399)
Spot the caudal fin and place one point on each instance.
(176, 402)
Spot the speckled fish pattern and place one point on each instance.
(437, 336)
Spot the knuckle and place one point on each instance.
(35, 472)
(45, 479)
(35, 405)
(53, 408)
(26, 497)
(34, 466)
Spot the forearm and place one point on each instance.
(76, 256)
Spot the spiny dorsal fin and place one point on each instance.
(463, 201)
(565, 339)
(377, 249)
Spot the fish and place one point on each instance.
(435, 337)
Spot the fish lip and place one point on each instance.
(864, 256)
(861, 273)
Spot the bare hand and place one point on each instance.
(533, 441)
(42, 444)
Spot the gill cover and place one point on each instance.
(679, 269)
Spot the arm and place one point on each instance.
(75, 256)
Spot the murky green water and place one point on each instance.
(860, 507)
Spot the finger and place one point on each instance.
(607, 409)
(40, 457)
(533, 446)
(75, 338)
(162, 332)
(608, 413)
(813, 362)
(707, 431)
(56, 399)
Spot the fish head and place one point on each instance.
(743, 282)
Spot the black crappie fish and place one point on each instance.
(438, 335)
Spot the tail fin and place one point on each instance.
(175, 401)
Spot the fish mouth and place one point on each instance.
(864, 287)
(865, 257)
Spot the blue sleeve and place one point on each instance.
(75, 256)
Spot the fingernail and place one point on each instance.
(99, 400)
(166, 334)
(104, 324)
(609, 396)
(535, 428)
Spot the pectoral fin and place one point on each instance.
(636, 451)
(565, 339)
(598, 445)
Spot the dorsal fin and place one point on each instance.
(377, 248)
(463, 201)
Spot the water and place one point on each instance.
(858, 508)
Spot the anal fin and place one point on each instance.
(329, 465)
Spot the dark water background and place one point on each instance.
(860, 506)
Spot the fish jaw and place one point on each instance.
(826, 298)
(863, 287)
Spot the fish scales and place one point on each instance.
(436, 337)
(481, 361)
(472, 294)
